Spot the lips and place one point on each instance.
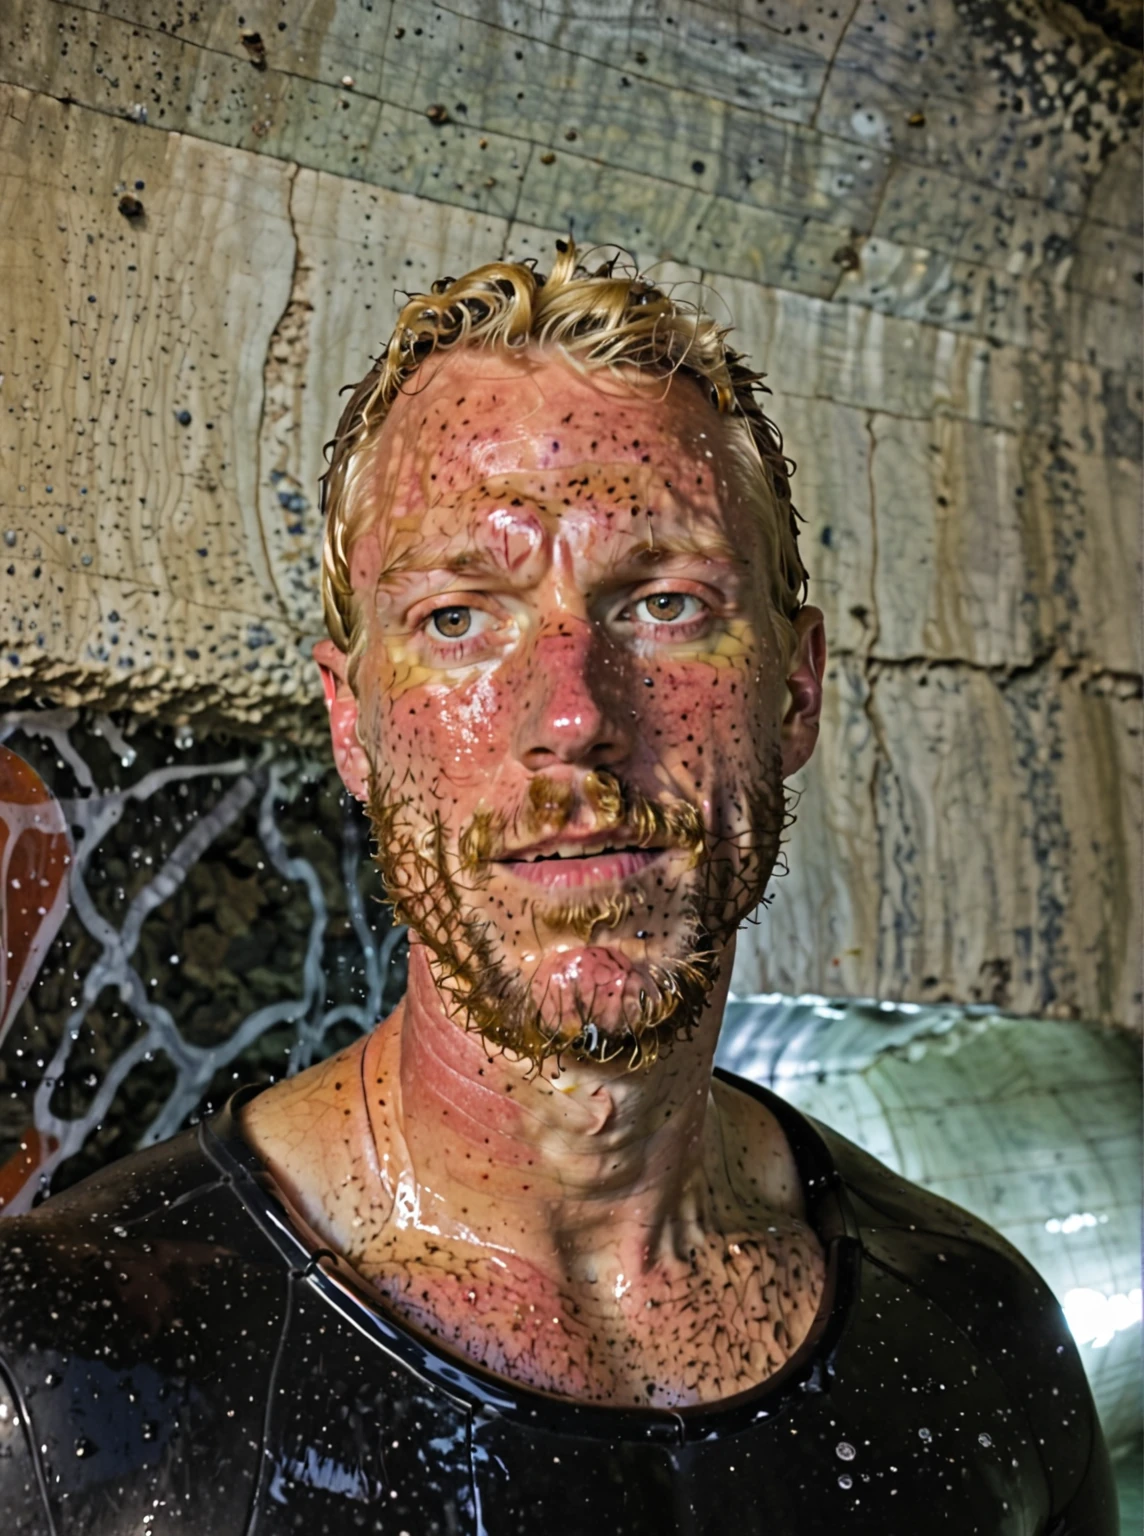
(570, 865)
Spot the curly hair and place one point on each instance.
(611, 317)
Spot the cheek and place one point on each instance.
(447, 737)
(704, 721)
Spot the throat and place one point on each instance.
(550, 1153)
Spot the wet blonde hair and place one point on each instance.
(611, 317)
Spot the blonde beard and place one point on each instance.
(427, 889)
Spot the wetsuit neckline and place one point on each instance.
(473, 1386)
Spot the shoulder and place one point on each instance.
(77, 1224)
(116, 1242)
(1003, 1308)
(141, 1308)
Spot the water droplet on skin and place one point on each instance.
(845, 1451)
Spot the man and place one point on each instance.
(517, 1260)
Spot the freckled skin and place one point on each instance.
(565, 594)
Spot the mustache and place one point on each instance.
(617, 809)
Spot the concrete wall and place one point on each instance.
(924, 222)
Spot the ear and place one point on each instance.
(804, 688)
(349, 756)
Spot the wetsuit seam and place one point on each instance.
(258, 1492)
(7, 1377)
(923, 1229)
(188, 1197)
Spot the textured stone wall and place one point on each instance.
(924, 220)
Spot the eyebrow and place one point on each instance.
(418, 561)
(674, 546)
(477, 562)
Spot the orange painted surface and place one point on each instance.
(22, 1165)
(35, 854)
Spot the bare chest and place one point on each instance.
(699, 1326)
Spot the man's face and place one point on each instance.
(571, 697)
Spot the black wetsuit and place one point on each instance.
(174, 1358)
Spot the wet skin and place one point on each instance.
(565, 594)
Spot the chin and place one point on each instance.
(591, 1001)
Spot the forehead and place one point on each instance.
(481, 421)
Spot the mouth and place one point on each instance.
(574, 866)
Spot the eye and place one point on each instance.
(668, 607)
(455, 627)
(451, 623)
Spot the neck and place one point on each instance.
(566, 1159)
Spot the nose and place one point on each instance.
(570, 703)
